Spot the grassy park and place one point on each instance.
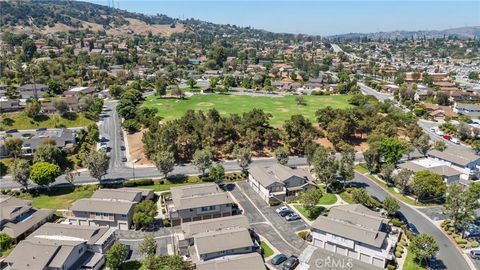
(281, 108)
(20, 121)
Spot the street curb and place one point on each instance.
(469, 262)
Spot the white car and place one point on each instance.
(433, 129)
(455, 140)
(281, 209)
(439, 133)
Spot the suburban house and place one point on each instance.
(19, 219)
(449, 174)
(80, 91)
(197, 202)
(468, 109)
(107, 207)
(10, 105)
(276, 183)
(220, 244)
(63, 138)
(356, 232)
(32, 91)
(60, 246)
(465, 161)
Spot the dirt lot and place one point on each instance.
(135, 149)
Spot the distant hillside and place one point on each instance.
(462, 33)
(57, 16)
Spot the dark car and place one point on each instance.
(278, 259)
(124, 159)
(290, 263)
(122, 147)
(413, 229)
(285, 213)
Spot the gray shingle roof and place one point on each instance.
(455, 156)
(192, 228)
(210, 242)
(251, 261)
(201, 195)
(103, 205)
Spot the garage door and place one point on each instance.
(318, 243)
(123, 226)
(353, 254)
(330, 247)
(365, 258)
(378, 262)
(84, 222)
(341, 250)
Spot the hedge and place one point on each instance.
(138, 182)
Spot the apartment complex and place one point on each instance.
(197, 202)
(356, 232)
(57, 246)
(108, 207)
(19, 219)
(276, 183)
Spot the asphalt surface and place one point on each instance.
(449, 257)
(109, 127)
(267, 223)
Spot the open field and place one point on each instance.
(21, 121)
(62, 199)
(281, 108)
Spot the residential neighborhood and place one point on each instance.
(135, 138)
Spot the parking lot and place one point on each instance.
(267, 223)
(163, 237)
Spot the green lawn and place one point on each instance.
(328, 199)
(362, 169)
(281, 108)
(266, 250)
(311, 216)
(62, 199)
(346, 196)
(410, 263)
(21, 121)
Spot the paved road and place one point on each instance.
(448, 254)
(122, 173)
(280, 233)
(109, 127)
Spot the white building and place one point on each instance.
(356, 232)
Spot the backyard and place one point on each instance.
(281, 108)
(21, 121)
(61, 198)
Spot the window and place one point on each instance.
(98, 214)
(212, 208)
(204, 208)
(105, 214)
(124, 216)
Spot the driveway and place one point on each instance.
(163, 237)
(448, 256)
(269, 224)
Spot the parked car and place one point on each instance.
(413, 229)
(475, 254)
(124, 159)
(292, 216)
(447, 137)
(278, 259)
(122, 147)
(439, 133)
(455, 141)
(433, 129)
(285, 213)
(472, 230)
(290, 263)
(281, 209)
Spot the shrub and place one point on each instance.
(166, 223)
(397, 222)
(461, 241)
(391, 267)
(398, 254)
(138, 182)
(193, 179)
(303, 235)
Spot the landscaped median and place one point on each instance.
(461, 242)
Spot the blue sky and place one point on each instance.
(318, 17)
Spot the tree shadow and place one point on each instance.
(41, 118)
(72, 116)
(7, 121)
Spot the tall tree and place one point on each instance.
(243, 156)
(202, 159)
(44, 173)
(390, 205)
(148, 246)
(427, 184)
(20, 171)
(392, 149)
(423, 246)
(97, 163)
(310, 198)
(401, 179)
(347, 164)
(32, 108)
(164, 161)
(325, 166)
(216, 173)
(440, 146)
(460, 206)
(144, 213)
(422, 144)
(281, 154)
(14, 146)
(297, 132)
(116, 255)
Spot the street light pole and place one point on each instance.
(133, 166)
